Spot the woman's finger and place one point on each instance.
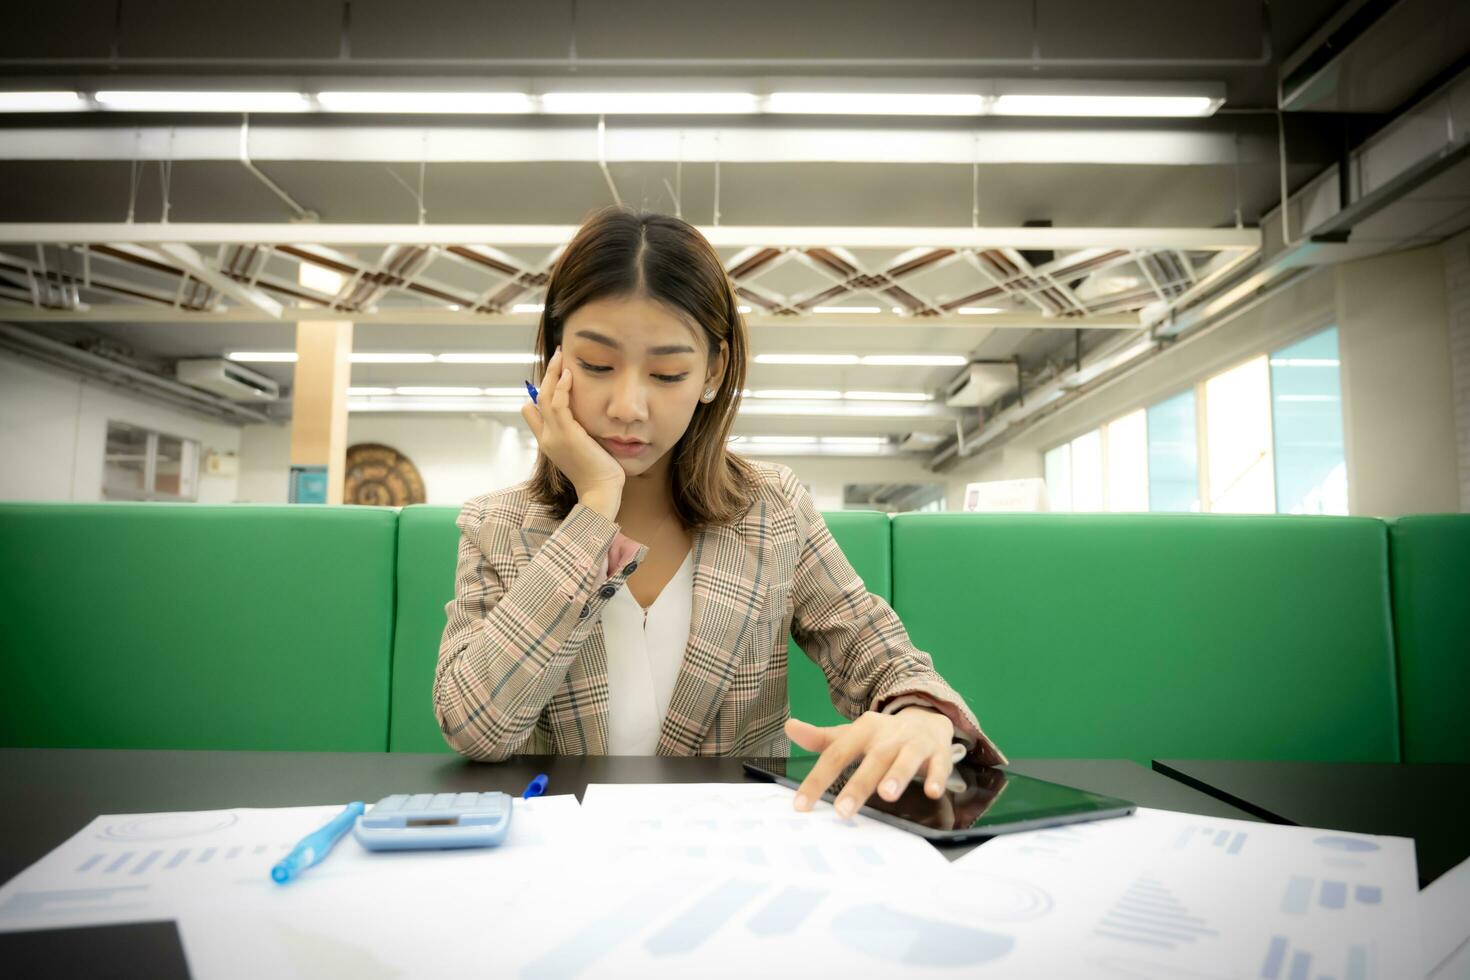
(938, 773)
(811, 737)
(830, 764)
(905, 764)
(553, 366)
(862, 783)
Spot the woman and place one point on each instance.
(634, 596)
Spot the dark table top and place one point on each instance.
(46, 795)
(1396, 799)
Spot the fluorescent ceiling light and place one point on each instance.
(487, 357)
(528, 308)
(916, 360)
(320, 278)
(876, 103)
(506, 392)
(978, 310)
(263, 357)
(855, 440)
(1316, 362)
(363, 392)
(806, 359)
(391, 358)
(888, 396)
(846, 309)
(742, 309)
(204, 101)
(41, 102)
(794, 393)
(1103, 105)
(641, 103)
(433, 390)
(784, 440)
(466, 103)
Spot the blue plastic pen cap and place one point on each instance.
(537, 787)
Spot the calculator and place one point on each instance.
(424, 821)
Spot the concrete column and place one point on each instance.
(319, 408)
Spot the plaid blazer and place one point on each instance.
(522, 665)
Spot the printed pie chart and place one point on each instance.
(913, 940)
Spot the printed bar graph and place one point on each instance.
(703, 919)
(1332, 895)
(786, 911)
(1299, 964)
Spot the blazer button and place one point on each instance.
(586, 611)
(631, 568)
(607, 591)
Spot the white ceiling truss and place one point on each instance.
(1103, 278)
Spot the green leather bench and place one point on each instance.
(1133, 636)
(1431, 607)
(1157, 635)
(427, 545)
(148, 625)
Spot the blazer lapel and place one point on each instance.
(729, 583)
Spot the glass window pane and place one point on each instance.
(1058, 470)
(1087, 472)
(168, 465)
(125, 460)
(1306, 413)
(1238, 434)
(1173, 459)
(1128, 463)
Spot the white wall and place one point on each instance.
(1457, 302)
(53, 433)
(1393, 332)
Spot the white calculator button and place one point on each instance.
(441, 800)
(418, 801)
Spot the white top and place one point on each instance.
(645, 649)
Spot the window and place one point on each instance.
(139, 464)
(1262, 437)
(1238, 440)
(1173, 462)
(1127, 463)
(1306, 415)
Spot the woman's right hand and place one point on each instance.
(593, 471)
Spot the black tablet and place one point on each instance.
(993, 801)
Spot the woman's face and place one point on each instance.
(638, 371)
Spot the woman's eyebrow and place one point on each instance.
(658, 351)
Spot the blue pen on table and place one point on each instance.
(536, 787)
(314, 847)
(531, 390)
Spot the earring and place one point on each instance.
(709, 394)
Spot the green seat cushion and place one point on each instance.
(428, 541)
(863, 536)
(1430, 557)
(193, 626)
(428, 545)
(1158, 635)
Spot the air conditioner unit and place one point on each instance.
(981, 384)
(224, 377)
(920, 442)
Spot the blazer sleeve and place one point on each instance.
(857, 638)
(509, 637)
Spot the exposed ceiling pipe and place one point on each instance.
(123, 375)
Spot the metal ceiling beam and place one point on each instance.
(722, 236)
(194, 264)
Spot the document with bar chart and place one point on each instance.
(1164, 894)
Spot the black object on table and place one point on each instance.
(1418, 800)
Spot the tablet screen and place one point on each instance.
(994, 801)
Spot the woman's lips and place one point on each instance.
(619, 448)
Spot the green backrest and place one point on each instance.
(1431, 614)
(427, 545)
(150, 625)
(1158, 635)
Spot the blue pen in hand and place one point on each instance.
(314, 847)
(531, 390)
(536, 787)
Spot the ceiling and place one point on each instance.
(1219, 172)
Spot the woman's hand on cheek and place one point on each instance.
(893, 749)
(561, 437)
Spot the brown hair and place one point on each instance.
(621, 252)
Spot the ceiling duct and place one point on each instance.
(981, 383)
